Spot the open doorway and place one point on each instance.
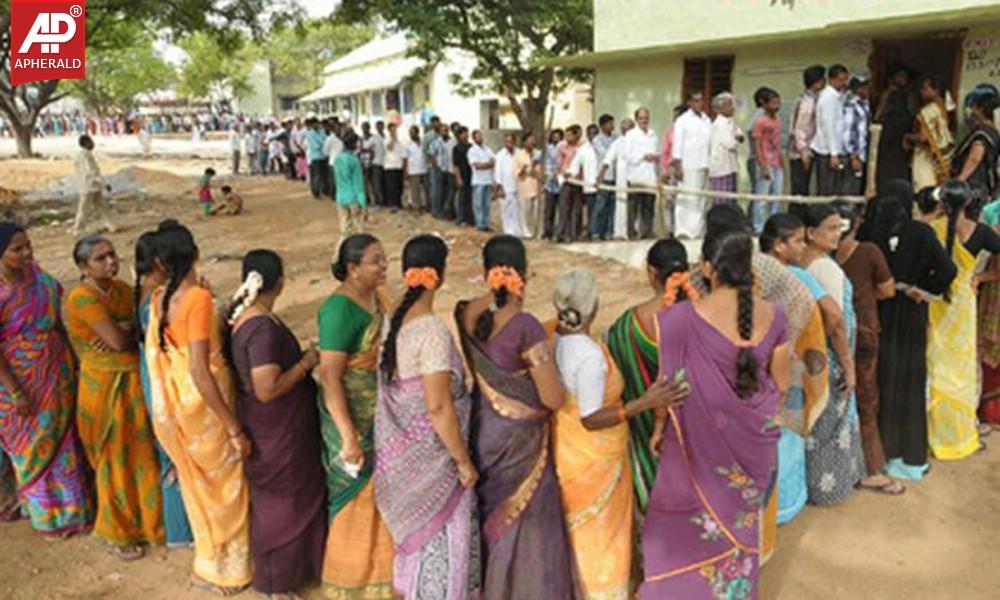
(937, 54)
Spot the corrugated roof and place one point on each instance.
(375, 50)
(383, 74)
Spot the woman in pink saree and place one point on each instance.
(718, 451)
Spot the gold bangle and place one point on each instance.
(621, 412)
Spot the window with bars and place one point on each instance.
(710, 76)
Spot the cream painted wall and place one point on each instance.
(628, 24)
(621, 87)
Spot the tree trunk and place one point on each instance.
(23, 135)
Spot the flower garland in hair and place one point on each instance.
(681, 280)
(246, 295)
(505, 277)
(424, 277)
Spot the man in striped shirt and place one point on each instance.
(857, 117)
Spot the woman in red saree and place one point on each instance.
(701, 537)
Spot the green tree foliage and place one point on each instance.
(298, 53)
(116, 75)
(510, 41)
(212, 68)
(108, 22)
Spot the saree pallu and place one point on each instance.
(359, 548)
(932, 163)
(597, 495)
(112, 422)
(835, 462)
(432, 518)
(989, 346)
(952, 372)
(637, 357)
(175, 521)
(807, 397)
(53, 481)
(209, 469)
(701, 537)
(526, 550)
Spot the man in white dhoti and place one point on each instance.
(691, 151)
(505, 179)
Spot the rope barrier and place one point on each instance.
(670, 190)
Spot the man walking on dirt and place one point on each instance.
(89, 183)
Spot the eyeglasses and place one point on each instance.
(379, 261)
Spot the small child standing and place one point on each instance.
(205, 191)
(231, 205)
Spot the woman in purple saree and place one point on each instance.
(527, 555)
(718, 451)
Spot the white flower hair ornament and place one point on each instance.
(246, 295)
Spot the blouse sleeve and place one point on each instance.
(880, 267)
(532, 332)
(338, 330)
(263, 347)
(591, 379)
(941, 270)
(829, 275)
(197, 314)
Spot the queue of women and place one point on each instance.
(529, 459)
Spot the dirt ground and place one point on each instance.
(937, 541)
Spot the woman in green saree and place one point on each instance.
(633, 344)
(359, 549)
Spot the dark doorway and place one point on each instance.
(937, 54)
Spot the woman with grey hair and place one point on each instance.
(111, 414)
(591, 440)
(723, 164)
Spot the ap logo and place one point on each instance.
(48, 40)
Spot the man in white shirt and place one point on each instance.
(251, 145)
(642, 152)
(613, 169)
(828, 144)
(378, 163)
(236, 147)
(395, 156)
(90, 186)
(723, 162)
(505, 180)
(332, 147)
(690, 153)
(584, 167)
(443, 206)
(481, 160)
(416, 173)
(602, 218)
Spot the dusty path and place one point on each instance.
(938, 541)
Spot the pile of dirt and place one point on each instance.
(128, 184)
(9, 198)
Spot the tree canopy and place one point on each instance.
(108, 24)
(510, 40)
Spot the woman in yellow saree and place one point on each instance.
(591, 440)
(359, 548)
(194, 418)
(111, 415)
(932, 142)
(952, 370)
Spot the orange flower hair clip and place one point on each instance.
(505, 277)
(681, 280)
(424, 277)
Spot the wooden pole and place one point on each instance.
(875, 134)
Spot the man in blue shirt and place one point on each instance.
(319, 171)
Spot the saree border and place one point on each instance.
(511, 509)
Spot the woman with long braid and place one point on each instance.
(277, 407)
(359, 549)
(526, 550)
(424, 476)
(150, 275)
(194, 417)
(633, 345)
(718, 450)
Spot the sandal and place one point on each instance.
(225, 592)
(891, 488)
(985, 429)
(128, 552)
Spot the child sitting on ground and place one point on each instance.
(232, 203)
(205, 191)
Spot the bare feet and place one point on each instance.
(219, 590)
(882, 484)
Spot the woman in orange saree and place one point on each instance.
(195, 420)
